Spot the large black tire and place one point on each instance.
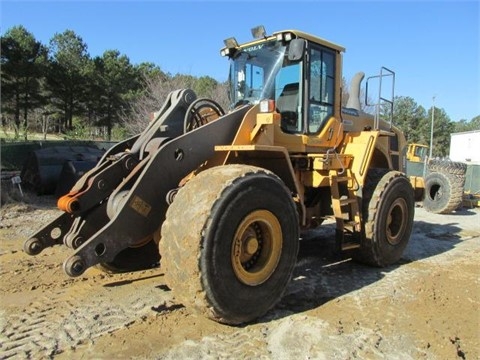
(443, 193)
(230, 242)
(388, 207)
(447, 167)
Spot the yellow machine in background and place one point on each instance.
(439, 184)
(227, 193)
(417, 153)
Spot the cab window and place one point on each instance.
(288, 94)
(321, 89)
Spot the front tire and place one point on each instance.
(388, 207)
(230, 243)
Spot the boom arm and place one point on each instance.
(134, 208)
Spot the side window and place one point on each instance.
(322, 87)
(288, 95)
(418, 151)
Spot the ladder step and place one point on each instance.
(347, 201)
(348, 227)
(352, 226)
(350, 245)
(342, 178)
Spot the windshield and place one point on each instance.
(261, 71)
(421, 152)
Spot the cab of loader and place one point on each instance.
(274, 68)
(291, 72)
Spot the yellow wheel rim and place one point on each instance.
(257, 247)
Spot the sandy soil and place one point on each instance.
(424, 307)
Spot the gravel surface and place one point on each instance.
(426, 306)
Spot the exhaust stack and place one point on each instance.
(354, 98)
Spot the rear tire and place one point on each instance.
(388, 207)
(230, 243)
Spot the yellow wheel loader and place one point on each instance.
(225, 194)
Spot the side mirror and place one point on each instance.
(296, 49)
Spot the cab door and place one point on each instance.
(320, 99)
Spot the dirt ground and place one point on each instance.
(424, 307)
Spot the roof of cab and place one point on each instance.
(312, 38)
(298, 34)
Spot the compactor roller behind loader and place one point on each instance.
(223, 196)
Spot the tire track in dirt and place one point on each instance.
(22, 333)
(64, 319)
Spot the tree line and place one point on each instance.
(416, 123)
(60, 88)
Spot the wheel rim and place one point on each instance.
(396, 221)
(257, 247)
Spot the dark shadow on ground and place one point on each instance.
(321, 274)
(131, 281)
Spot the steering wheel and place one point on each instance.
(201, 112)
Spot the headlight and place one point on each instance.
(267, 106)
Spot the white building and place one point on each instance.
(465, 147)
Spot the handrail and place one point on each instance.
(384, 72)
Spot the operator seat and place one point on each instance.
(287, 106)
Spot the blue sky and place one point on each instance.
(433, 46)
